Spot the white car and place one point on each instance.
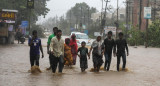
(80, 37)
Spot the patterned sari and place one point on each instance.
(67, 55)
(74, 49)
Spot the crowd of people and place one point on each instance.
(65, 52)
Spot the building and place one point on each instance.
(97, 16)
(136, 11)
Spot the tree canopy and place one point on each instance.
(23, 13)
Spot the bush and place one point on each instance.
(134, 36)
(154, 34)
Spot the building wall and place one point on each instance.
(136, 14)
(97, 15)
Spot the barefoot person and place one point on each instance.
(35, 47)
(57, 50)
(74, 47)
(48, 44)
(121, 45)
(97, 53)
(68, 60)
(109, 45)
(83, 56)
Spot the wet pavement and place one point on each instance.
(143, 65)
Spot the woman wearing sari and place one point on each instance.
(74, 48)
(67, 53)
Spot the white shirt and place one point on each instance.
(57, 47)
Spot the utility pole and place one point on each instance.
(117, 25)
(70, 20)
(81, 20)
(126, 19)
(154, 16)
(147, 27)
(132, 15)
(140, 14)
(30, 5)
(76, 22)
(129, 12)
(104, 18)
(102, 10)
(127, 16)
(88, 17)
(99, 20)
(29, 10)
(84, 20)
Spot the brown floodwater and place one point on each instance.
(143, 70)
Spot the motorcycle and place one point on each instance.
(22, 39)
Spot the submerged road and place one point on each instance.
(143, 65)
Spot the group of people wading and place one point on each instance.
(64, 52)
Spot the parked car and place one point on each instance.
(80, 37)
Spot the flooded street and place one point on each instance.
(143, 65)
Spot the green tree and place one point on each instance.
(154, 34)
(73, 16)
(80, 13)
(136, 37)
(23, 13)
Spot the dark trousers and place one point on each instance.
(18, 40)
(108, 58)
(50, 59)
(123, 55)
(34, 60)
(57, 61)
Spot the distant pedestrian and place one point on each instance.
(48, 45)
(74, 48)
(68, 60)
(97, 53)
(57, 50)
(18, 34)
(83, 56)
(35, 47)
(121, 45)
(109, 46)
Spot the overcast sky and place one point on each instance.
(60, 7)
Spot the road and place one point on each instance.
(143, 65)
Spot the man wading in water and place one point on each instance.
(35, 46)
(48, 45)
(121, 44)
(57, 50)
(109, 45)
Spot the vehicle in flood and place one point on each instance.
(80, 37)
